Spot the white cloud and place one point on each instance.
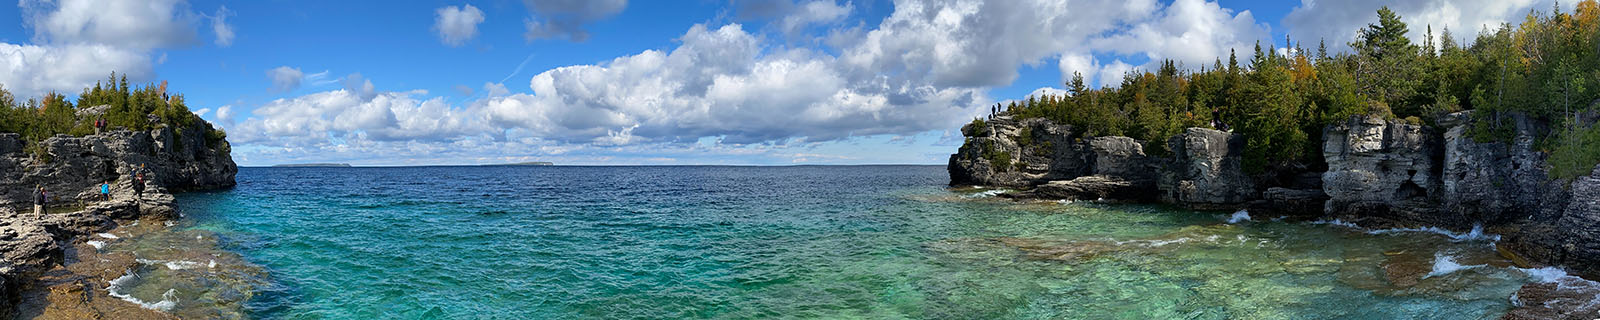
(127, 24)
(78, 42)
(970, 43)
(31, 71)
(220, 27)
(926, 67)
(1338, 22)
(359, 85)
(566, 18)
(225, 115)
(495, 89)
(792, 18)
(457, 25)
(285, 79)
(1191, 32)
(391, 116)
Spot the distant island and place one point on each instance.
(313, 165)
(522, 164)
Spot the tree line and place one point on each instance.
(127, 107)
(1547, 68)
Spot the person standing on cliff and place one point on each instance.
(38, 201)
(138, 186)
(105, 191)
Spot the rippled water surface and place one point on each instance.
(878, 242)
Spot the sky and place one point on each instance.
(617, 82)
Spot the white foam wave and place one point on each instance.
(172, 264)
(1445, 264)
(213, 264)
(1337, 222)
(1476, 234)
(168, 299)
(1064, 201)
(986, 194)
(1240, 216)
(1161, 243)
(97, 244)
(107, 235)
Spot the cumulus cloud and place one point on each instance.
(126, 24)
(970, 43)
(1191, 32)
(225, 115)
(925, 67)
(31, 71)
(457, 25)
(566, 18)
(390, 116)
(285, 79)
(220, 27)
(495, 89)
(78, 42)
(1338, 22)
(360, 86)
(792, 18)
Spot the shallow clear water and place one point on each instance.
(878, 242)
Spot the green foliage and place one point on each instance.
(1546, 67)
(979, 128)
(1575, 152)
(999, 159)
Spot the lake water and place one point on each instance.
(871, 242)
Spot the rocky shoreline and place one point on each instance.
(1379, 173)
(49, 264)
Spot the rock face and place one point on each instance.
(1381, 169)
(1580, 247)
(1009, 153)
(72, 168)
(1206, 170)
(1496, 182)
(1033, 151)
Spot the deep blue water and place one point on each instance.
(871, 242)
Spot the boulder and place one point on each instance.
(1096, 187)
(1206, 171)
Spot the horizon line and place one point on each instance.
(294, 166)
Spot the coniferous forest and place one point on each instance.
(1547, 67)
(134, 108)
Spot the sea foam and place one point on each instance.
(168, 299)
(1240, 216)
(1445, 264)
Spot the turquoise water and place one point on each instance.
(872, 242)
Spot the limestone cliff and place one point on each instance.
(1056, 162)
(1383, 169)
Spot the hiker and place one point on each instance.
(105, 190)
(138, 186)
(38, 201)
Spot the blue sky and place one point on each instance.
(639, 82)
